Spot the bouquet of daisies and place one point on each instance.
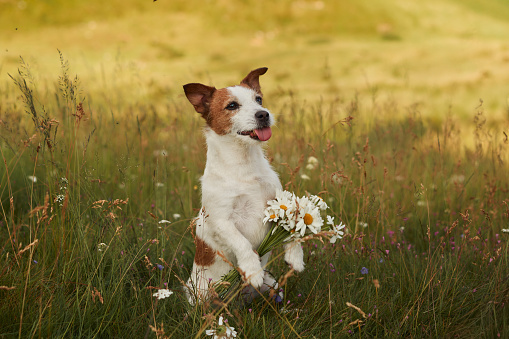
(293, 219)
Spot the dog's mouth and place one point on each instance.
(262, 134)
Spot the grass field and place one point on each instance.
(99, 145)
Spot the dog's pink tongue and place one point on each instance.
(264, 134)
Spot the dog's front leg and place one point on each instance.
(294, 256)
(234, 241)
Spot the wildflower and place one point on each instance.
(222, 331)
(270, 215)
(310, 219)
(338, 232)
(160, 267)
(159, 184)
(421, 203)
(32, 178)
(60, 199)
(102, 247)
(163, 293)
(283, 204)
(176, 216)
(312, 163)
(312, 160)
(363, 224)
(305, 177)
(164, 222)
(319, 202)
(505, 230)
(330, 221)
(364, 270)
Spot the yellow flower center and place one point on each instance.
(283, 207)
(308, 219)
(272, 216)
(292, 231)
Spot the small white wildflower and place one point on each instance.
(102, 247)
(310, 167)
(330, 220)
(164, 221)
(159, 184)
(164, 293)
(312, 160)
(505, 230)
(176, 216)
(363, 224)
(305, 177)
(402, 228)
(32, 178)
(222, 331)
(421, 203)
(60, 199)
(338, 229)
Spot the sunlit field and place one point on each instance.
(395, 113)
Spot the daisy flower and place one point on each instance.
(322, 205)
(309, 218)
(284, 204)
(271, 214)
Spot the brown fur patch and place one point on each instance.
(205, 255)
(218, 118)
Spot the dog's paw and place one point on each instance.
(294, 256)
(256, 279)
(253, 271)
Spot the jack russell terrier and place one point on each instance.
(236, 185)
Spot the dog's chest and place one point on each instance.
(248, 209)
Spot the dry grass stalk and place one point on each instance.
(7, 288)
(96, 293)
(357, 309)
(27, 247)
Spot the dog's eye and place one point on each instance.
(232, 106)
(259, 100)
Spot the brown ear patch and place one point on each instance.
(218, 119)
(199, 96)
(252, 80)
(205, 255)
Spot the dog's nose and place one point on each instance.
(262, 116)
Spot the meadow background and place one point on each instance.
(99, 145)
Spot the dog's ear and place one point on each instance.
(199, 96)
(252, 79)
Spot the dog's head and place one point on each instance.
(236, 111)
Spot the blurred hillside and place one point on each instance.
(442, 55)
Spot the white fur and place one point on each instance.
(236, 185)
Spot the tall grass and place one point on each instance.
(82, 249)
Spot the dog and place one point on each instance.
(236, 185)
